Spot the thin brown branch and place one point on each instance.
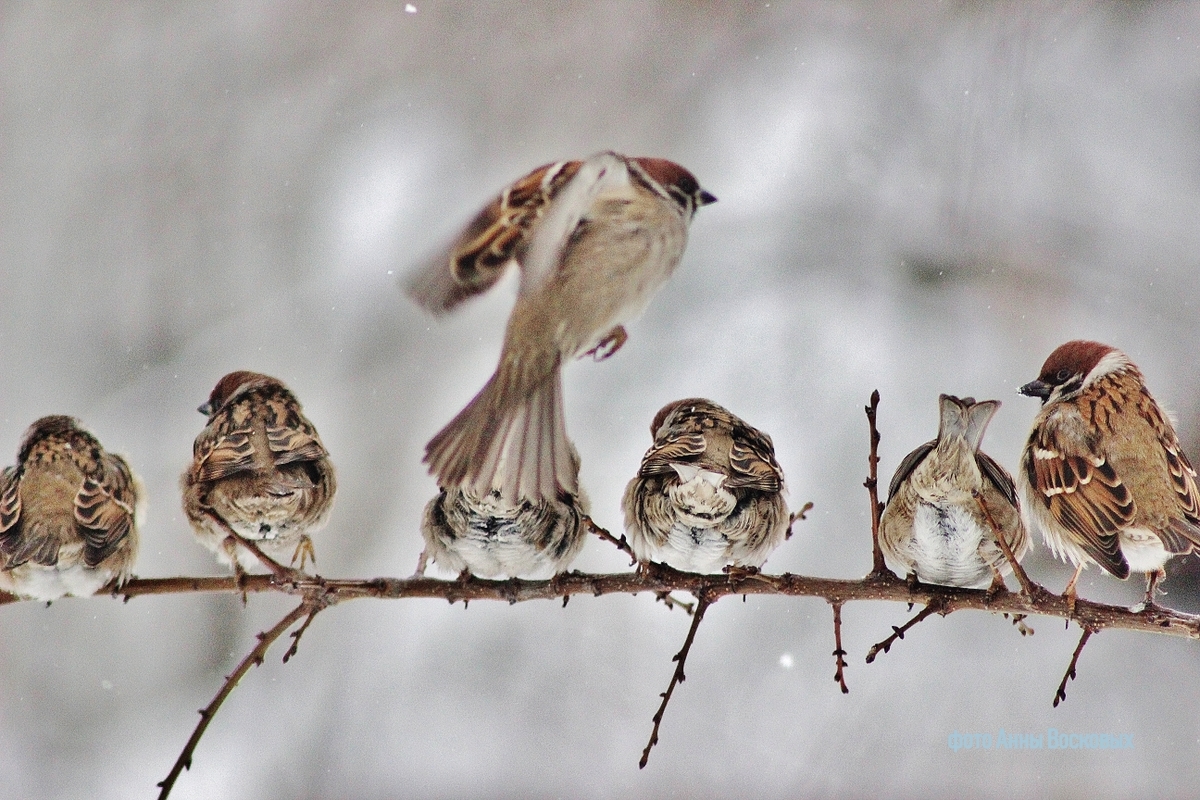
(620, 543)
(838, 653)
(278, 570)
(253, 659)
(674, 602)
(1098, 616)
(934, 607)
(798, 516)
(702, 603)
(1027, 586)
(878, 567)
(1061, 694)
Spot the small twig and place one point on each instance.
(1027, 585)
(838, 653)
(621, 544)
(798, 516)
(422, 562)
(878, 567)
(315, 608)
(677, 678)
(674, 602)
(1061, 694)
(253, 659)
(934, 607)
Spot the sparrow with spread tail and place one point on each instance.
(1102, 475)
(69, 513)
(709, 493)
(594, 240)
(260, 468)
(488, 536)
(949, 502)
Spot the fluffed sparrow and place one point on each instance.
(709, 493)
(1102, 475)
(594, 240)
(491, 537)
(258, 466)
(935, 525)
(69, 513)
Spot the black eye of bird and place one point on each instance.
(1062, 375)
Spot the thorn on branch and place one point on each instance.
(936, 606)
(1061, 694)
(252, 659)
(680, 659)
(839, 654)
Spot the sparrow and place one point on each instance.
(487, 536)
(69, 513)
(948, 502)
(259, 468)
(709, 493)
(1102, 475)
(594, 240)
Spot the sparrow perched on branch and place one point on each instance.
(260, 468)
(948, 502)
(1102, 475)
(69, 513)
(594, 240)
(491, 537)
(709, 493)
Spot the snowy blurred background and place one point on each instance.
(919, 198)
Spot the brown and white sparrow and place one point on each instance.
(709, 493)
(1102, 475)
(948, 502)
(491, 537)
(594, 239)
(260, 468)
(69, 513)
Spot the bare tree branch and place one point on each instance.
(838, 653)
(878, 567)
(253, 659)
(1061, 694)
(935, 607)
(702, 603)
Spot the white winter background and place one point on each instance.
(919, 198)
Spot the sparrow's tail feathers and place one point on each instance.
(965, 418)
(501, 440)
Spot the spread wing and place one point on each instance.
(494, 239)
(1083, 493)
(104, 509)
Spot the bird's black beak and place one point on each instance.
(1037, 389)
(704, 198)
(206, 409)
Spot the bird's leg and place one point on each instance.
(1069, 592)
(230, 546)
(610, 344)
(304, 551)
(1152, 579)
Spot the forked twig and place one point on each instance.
(878, 567)
(677, 678)
(935, 606)
(253, 659)
(838, 653)
(1061, 694)
(797, 516)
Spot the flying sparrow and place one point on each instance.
(491, 537)
(594, 240)
(948, 502)
(709, 493)
(1102, 475)
(69, 513)
(259, 468)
